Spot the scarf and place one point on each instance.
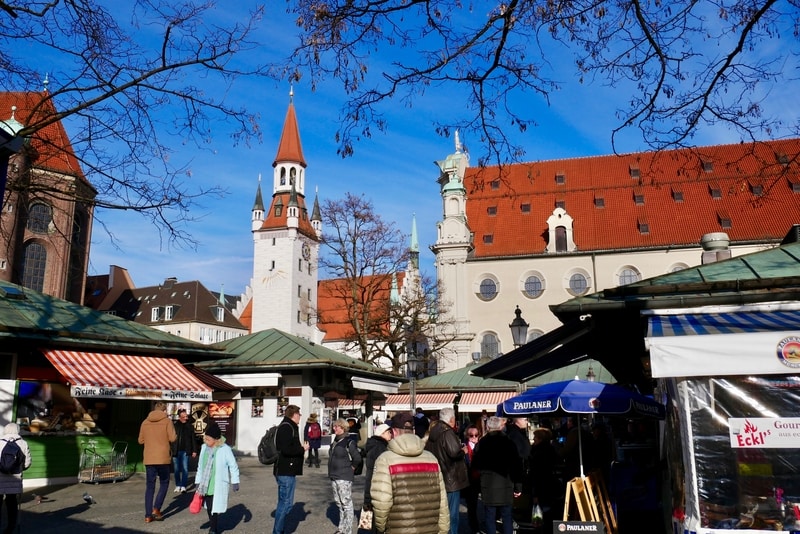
(207, 467)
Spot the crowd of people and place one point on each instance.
(418, 469)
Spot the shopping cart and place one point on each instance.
(109, 467)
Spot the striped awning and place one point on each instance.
(401, 402)
(96, 375)
(736, 342)
(477, 401)
(735, 322)
(349, 403)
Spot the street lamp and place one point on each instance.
(411, 363)
(519, 329)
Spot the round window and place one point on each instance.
(578, 285)
(628, 276)
(488, 289)
(533, 287)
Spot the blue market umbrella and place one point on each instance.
(581, 397)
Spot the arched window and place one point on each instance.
(283, 176)
(489, 346)
(561, 239)
(629, 276)
(39, 218)
(292, 174)
(33, 267)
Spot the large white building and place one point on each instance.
(539, 233)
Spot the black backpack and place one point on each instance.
(267, 448)
(12, 459)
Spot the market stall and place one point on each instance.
(732, 375)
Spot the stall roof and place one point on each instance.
(29, 316)
(281, 351)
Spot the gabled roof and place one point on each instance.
(276, 349)
(190, 301)
(652, 199)
(290, 148)
(36, 318)
(332, 313)
(52, 146)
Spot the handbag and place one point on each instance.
(365, 520)
(197, 503)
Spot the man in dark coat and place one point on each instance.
(289, 464)
(185, 448)
(501, 475)
(375, 446)
(421, 423)
(444, 444)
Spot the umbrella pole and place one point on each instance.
(580, 447)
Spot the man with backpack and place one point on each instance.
(288, 465)
(15, 457)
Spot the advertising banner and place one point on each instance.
(765, 432)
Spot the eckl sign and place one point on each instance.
(764, 432)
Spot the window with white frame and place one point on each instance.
(490, 346)
(155, 313)
(628, 275)
(168, 313)
(577, 283)
(532, 284)
(487, 288)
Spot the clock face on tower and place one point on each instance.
(306, 251)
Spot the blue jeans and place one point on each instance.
(151, 472)
(454, 503)
(286, 485)
(491, 519)
(180, 464)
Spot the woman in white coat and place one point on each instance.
(216, 473)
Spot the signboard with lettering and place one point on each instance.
(137, 393)
(765, 432)
(596, 527)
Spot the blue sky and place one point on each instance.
(394, 170)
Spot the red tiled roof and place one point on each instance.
(246, 318)
(332, 305)
(52, 145)
(618, 224)
(290, 148)
(273, 222)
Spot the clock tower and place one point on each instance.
(286, 244)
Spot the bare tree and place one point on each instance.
(130, 79)
(684, 64)
(366, 258)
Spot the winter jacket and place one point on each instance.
(444, 444)
(156, 434)
(225, 473)
(501, 469)
(287, 441)
(13, 483)
(407, 492)
(185, 440)
(343, 458)
(544, 484)
(376, 445)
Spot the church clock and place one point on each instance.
(306, 251)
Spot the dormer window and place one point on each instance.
(525, 208)
(724, 220)
(561, 178)
(708, 165)
(633, 170)
(756, 187)
(782, 158)
(599, 201)
(794, 184)
(219, 313)
(491, 211)
(155, 314)
(677, 193)
(638, 196)
(169, 312)
(495, 184)
(488, 239)
(561, 203)
(714, 189)
(644, 227)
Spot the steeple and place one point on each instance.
(316, 215)
(258, 208)
(290, 148)
(414, 248)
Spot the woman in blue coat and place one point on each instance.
(216, 473)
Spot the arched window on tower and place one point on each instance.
(561, 239)
(33, 266)
(283, 176)
(40, 217)
(292, 175)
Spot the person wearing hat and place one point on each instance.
(313, 435)
(375, 446)
(217, 472)
(407, 492)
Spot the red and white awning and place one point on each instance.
(477, 401)
(401, 402)
(118, 376)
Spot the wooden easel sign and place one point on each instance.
(562, 527)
